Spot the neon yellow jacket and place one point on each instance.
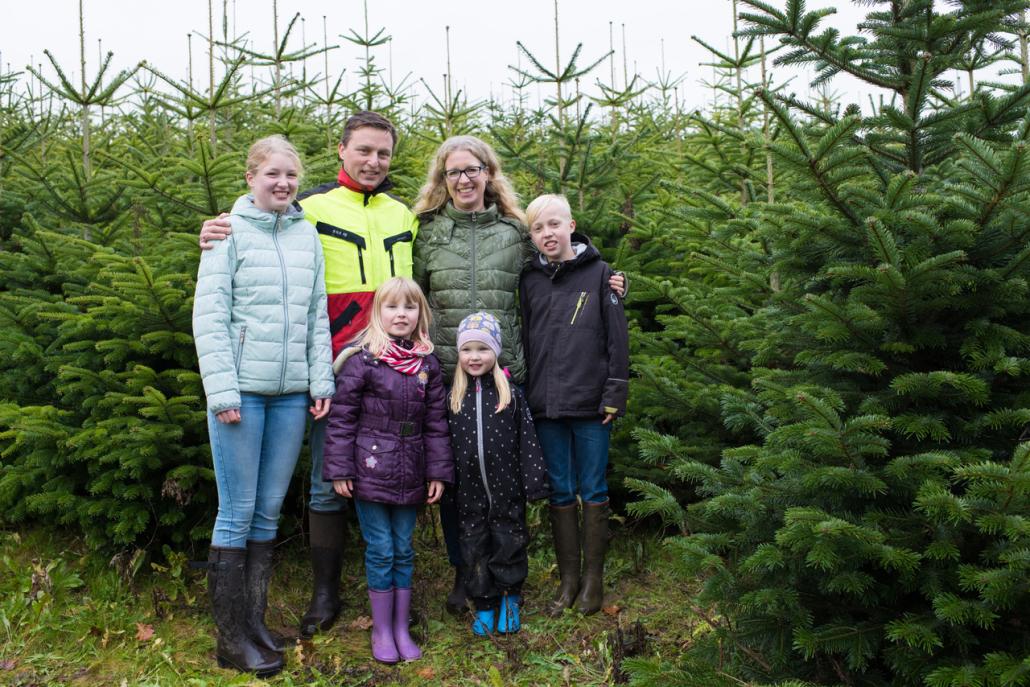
(366, 239)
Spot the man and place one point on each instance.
(367, 237)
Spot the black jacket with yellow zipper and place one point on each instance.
(575, 336)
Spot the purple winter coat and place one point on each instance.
(388, 431)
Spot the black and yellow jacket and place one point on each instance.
(367, 237)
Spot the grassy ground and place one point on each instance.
(71, 617)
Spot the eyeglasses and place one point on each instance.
(470, 172)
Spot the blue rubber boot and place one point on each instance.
(483, 624)
(508, 620)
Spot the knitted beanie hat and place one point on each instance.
(482, 327)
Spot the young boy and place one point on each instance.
(577, 354)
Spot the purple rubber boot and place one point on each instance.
(384, 649)
(406, 646)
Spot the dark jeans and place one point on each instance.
(576, 452)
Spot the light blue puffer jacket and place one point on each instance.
(260, 321)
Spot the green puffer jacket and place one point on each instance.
(260, 322)
(467, 262)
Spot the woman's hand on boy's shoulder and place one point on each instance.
(617, 283)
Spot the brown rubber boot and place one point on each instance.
(327, 533)
(595, 544)
(565, 529)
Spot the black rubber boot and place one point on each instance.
(226, 583)
(327, 532)
(457, 599)
(259, 572)
(565, 530)
(595, 544)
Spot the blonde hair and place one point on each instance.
(541, 203)
(263, 148)
(374, 338)
(434, 196)
(461, 384)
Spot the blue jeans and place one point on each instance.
(576, 453)
(389, 554)
(253, 462)
(322, 497)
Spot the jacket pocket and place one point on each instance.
(239, 349)
(375, 457)
(398, 247)
(348, 237)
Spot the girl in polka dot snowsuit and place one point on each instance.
(499, 466)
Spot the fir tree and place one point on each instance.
(874, 531)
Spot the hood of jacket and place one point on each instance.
(262, 219)
(581, 246)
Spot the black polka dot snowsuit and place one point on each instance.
(494, 479)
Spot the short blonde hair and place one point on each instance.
(433, 196)
(374, 338)
(541, 203)
(265, 147)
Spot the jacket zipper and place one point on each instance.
(239, 351)
(286, 307)
(472, 291)
(390, 241)
(479, 444)
(583, 298)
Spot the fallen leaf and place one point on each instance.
(611, 610)
(144, 632)
(426, 673)
(362, 622)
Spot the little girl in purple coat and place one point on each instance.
(387, 447)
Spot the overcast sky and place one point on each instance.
(482, 37)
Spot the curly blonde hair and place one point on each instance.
(433, 196)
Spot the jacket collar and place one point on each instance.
(487, 216)
(244, 207)
(348, 183)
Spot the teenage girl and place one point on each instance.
(262, 334)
